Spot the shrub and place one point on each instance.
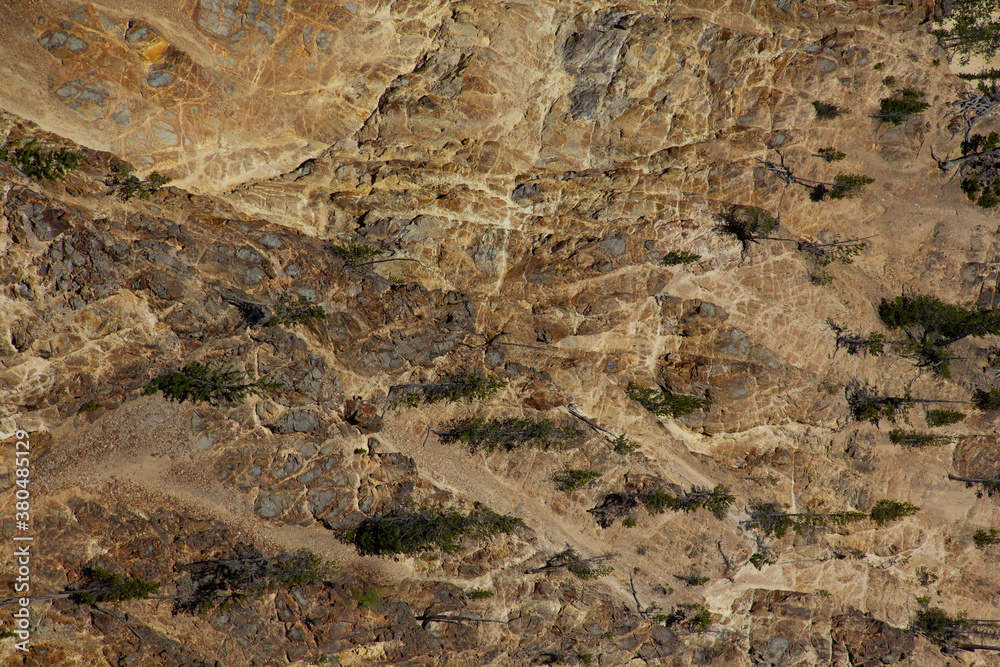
(355, 253)
(584, 568)
(944, 417)
(572, 479)
(90, 406)
(367, 598)
(42, 164)
(408, 531)
(665, 403)
(206, 382)
(302, 312)
(984, 538)
(986, 400)
(889, 81)
(625, 445)
(678, 257)
(827, 111)
(479, 594)
(126, 185)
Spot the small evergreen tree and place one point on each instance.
(103, 585)
(410, 531)
(943, 417)
(509, 434)
(206, 382)
(354, 254)
(572, 479)
(975, 30)
(856, 344)
(865, 404)
(886, 511)
(915, 438)
(830, 154)
(664, 403)
(986, 400)
(680, 257)
(901, 105)
(826, 111)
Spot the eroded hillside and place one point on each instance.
(525, 170)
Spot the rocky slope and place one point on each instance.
(527, 167)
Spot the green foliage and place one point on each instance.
(692, 579)
(355, 253)
(677, 257)
(988, 199)
(411, 531)
(938, 626)
(287, 313)
(937, 323)
(943, 417)
(220, 583)
(572, 479)
(629, 522)
(889, 81)
(924, 577)
(509, 434)
(758, 560)
(830, 154)
(984, 538)
(367, 598)
(974, 32)
(103, 585)
(886, 511)
(126, 185)
(663, 403)
(625, 445)
(772, 520)
(846, 186)
(717, 501)
(989, 74)
(901, 105)
(970, 187)
(90, 406)
(986, 400)
(207, 382)
(693, 617)
(823, 254)
(479, 594)
(915, 438)
(865, 404)
(749, 224)
(40, 163)
(465, 386)
(584, 568)
(827, 111)
(878, 67)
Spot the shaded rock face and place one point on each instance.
(524, 170)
